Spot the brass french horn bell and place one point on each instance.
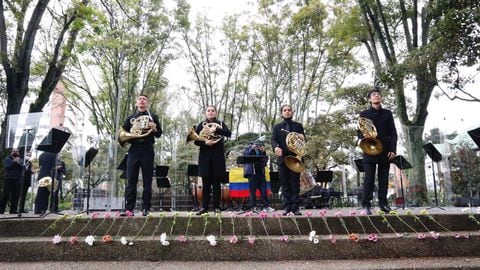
(370, 145)
(139, 130)
(296, 144)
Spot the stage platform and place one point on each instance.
(343, 233)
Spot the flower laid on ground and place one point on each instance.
(107, 238)
(74, 220)
(263, 216)
(212, 240)
(421, 236)
(149, 217)
(128, 214)
(232, 220)
(471, 216)
(205, 223)
(157, 227)
(73, 239)
(124, 241)
(373, 237)
(248, 219)
(251, 239)
(189, 224)
(313, 237)
(353, 237)
(285, 239)
(333, 238)
(353, 213)
(163, 239)
(106, 216)
(294, 219)
(457, 235)
(385, 220)
(54, 224)
(220, 222)
(174, 221)
(182, 239)
(89, 240)
(57, 239)
(322, 212)
(233, 239)
(114, 219)
(279, 220)
(93, 216)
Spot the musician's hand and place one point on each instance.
(278, 151)
(153, 126)
(210, 142)
(212, 130)
(391, 155)
(17, 159)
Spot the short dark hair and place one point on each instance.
(211, 106)
(142, 95)
(376, 89)
(285, 105)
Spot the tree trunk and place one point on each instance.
(416, 175)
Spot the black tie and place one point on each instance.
(287, 126)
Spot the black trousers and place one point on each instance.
(11, 192)
(369, 183)
(136, 160)
(23, 194)
(41, 201)
(260, 184)
(290, 182)
(208, 183)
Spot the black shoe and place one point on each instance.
(386, 209)
(367, 209)
(145, 212)
(123, 213)
(297, 213)
(285, 212)
(202, 211)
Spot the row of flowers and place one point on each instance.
(313, 237)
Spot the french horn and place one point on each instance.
(370, 145)
(138, 130)
(47, 182)
(296, 144)
(204, 134)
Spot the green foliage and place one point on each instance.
(465, 172)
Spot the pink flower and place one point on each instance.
(129, 213)
(107, 215)
(338, 214)
(285, 239)
(57, 239)
(333, 238)
(182, 239)
(421, 236)
(353, 213)
(276, 215)
(73, 240)
(322, 212)
(248, 214)
(251, 239)
(308, 213)
(263, 215)
(457, 235)
(373, 237)
(232, 214)
(116, 214)
(234, 239)
(95, 215)
(466, 235)
(364, 212)
(434, 234)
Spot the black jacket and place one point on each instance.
(211, 159)
(279, 137)
(387, 133)
(13, 170)
(146, 142)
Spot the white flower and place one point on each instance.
(211, 240)
(315, 240)
(466, 210)
(57, 239)
(130, 243)
(123, 240)
(163, 239)
(89, 240)
(311, 236)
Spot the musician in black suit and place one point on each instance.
(387, 134)
(13, 165)
(141, 155)
(46, 162)
(211, 158)
(290, 180)
(27, 179)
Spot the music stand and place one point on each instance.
(402, 164)
(89, 156)
(53, 143)
(161, 172)
(251, 159)
(435, 156)
(324, 177)
(475, 135)
(26, 143)
(192, 171)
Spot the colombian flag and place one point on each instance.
(239, 185)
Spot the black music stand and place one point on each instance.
(324, 177)
(161, 172)
(251, 159)
(402, 164)
(192, 171)
(89, 156)
(53, 143)
(475, 135)
(435, 156)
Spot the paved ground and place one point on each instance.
(418, 263)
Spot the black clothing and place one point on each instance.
(27, 179)
(47, 165)
(61, 171)
(290, 181)
(387, 134)
(11, 184)
(140, 155)
(211, 164)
